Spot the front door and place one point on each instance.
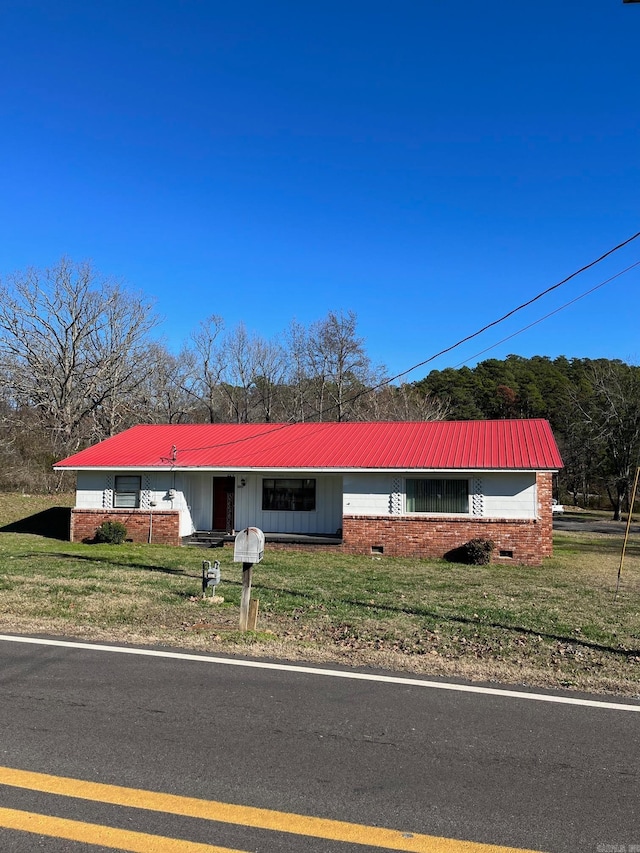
(223, 503)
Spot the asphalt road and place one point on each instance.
(591, 525)
(492, 769)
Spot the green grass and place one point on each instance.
(555, 625)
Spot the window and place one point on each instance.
(295, 494)
(126, 494)
(450, 496)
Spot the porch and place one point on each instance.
(218, 539)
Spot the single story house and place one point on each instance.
(416, 489)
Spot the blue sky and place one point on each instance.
(429, 165)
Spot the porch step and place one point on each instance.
(207, 539)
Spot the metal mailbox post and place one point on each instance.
(248, 549)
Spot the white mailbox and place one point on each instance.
(249, 546)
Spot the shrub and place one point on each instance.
(477, 552)
(111, 532)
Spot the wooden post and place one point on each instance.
(626, 534)
(253, 614)
(246, 595)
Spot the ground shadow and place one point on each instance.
(462, 620)
(108, 559)
(52, 523)
(458, 555)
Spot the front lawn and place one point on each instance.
(557, 625)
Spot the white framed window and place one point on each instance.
(437, 495)
(126, 492)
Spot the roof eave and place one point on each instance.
(230, 469)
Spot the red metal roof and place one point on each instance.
(447, 445)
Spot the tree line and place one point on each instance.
(82, 360)
(593, 406)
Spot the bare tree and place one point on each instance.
(252, 377)
(26, 453)
(269, 379)
(402, 403)
(611, 419)
(338, 364)
(297, 403)
(238, 377)
(162, 397)
(72, 343)
(206, 361)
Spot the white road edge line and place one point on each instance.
(332, 673)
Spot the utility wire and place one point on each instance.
(459, 343)
(269, 431)
(546, 316)
(509, 313)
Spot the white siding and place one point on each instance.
(502, 495)
(90, 486)
(168, 493)
(509, 495)
(367, 494)
(326, 518)
(160, 493)
(197, 492)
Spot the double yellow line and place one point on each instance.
(139, 842)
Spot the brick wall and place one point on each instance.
(544, 482)
(165, 527)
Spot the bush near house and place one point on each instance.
(477, 552)
(111, 533)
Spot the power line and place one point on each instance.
(274, 428)
(509, 313)
(464, 340)
(550, 314)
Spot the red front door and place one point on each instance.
(223, 503)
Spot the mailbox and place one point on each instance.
(249, 546)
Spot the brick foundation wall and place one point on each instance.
(519, 540)
(165, 528)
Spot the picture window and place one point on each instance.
(290, 494)
(437, 495)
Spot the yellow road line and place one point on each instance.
(103, 836)
(316, 827)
